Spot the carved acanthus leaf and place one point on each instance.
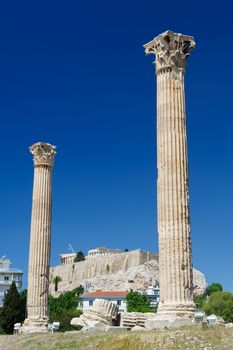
(43, 153)
(171, 49)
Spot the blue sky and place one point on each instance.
(74, 74)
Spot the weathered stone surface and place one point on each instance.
(73, 275)
(167, 321)
(91, 330)
(175, 253)
(39, 256)
(132, 319)
(229, 325)
(137, 328)
(115, 329)
(102, 314)
(135, 277)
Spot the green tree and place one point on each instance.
(11, 310)
(63, 309)
(23, 302)
(137, 302)
(79, 257)
(221, 304)
(79, 290)
(214, 287)
(199, 300)
(56, 280)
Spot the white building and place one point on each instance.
(7, 276)
(117, 297)
(68, 258)
(152, 294)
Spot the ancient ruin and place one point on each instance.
(135, 269)
(175, 255)
(39, 256)
(103, 313)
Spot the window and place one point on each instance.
(118, 302)
(6, 278)
(90, 302)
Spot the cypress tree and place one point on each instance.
(11, 310)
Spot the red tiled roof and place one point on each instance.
(99, 294)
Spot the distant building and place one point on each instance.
(118, 298)
(68, 258)
(102, 251)
(7, 276)
(152, 294)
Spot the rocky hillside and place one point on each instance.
(135, 277)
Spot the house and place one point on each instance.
(152, 294)
(7, 276)
(118, 298)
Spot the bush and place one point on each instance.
(199, 300)
(63, 309)
(137, 302)
(220, 304)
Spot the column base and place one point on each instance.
(176, 309)
(34, 326)
(172, 315)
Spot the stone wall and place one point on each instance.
(76, 273)
(117, 272)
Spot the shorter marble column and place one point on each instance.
(39, 256)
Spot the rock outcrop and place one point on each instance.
(129, 270)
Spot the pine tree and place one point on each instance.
(11, 310)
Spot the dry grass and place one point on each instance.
(213, 338)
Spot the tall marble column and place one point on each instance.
(39, 256)
(175, 255)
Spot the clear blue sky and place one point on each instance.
(74, 74)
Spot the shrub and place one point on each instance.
(221, 304)
(63, 309)
(137, 302)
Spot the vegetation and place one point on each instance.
(79, 257)
(79, 290)
(215, 301)
(107, 268)
(214, 287)
(137, 302)
(64, 308)
(190, 338)
(200, 300)
(56, 280)
(221, 304)
(12, 310)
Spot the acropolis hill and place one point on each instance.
(109, 269)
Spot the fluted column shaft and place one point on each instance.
(175, 258)
(175, 255)
(40, 235)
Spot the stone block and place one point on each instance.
(138, 328)
(115, 329)
(168, 322)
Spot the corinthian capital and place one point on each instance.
(171, 50)
(43, 153)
